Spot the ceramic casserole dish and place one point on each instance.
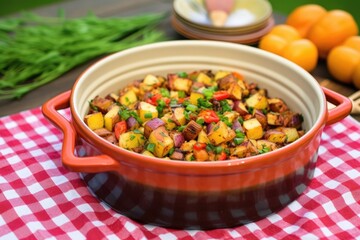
(195, 195)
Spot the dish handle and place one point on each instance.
(342, 106)
(91, 164)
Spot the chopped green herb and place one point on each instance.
(164, 92)
(191, 108)
(132, 137)
(148, 115)
(151, 147)
(181, 128)
(172, 150)
(182, 74)
(200, 121)
(238, 140)
(203, 103)
(225, 107)
(181, 94)
(208, 93)
(218, 149)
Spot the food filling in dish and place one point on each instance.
(194, 116)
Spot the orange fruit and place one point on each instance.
(353, 42)
(304, 17)
(288, 33)
(302, 52)
(332, 30)
(343, 62)
(273, 43)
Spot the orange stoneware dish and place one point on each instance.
(190, 194)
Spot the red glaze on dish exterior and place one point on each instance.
(180, 194)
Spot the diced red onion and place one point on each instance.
(132, 123)
(178, 139)
(151, 125)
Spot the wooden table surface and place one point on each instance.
(111, 8)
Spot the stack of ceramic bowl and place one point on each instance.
(248, 21)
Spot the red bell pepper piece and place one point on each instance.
(199, 146)
(120, 128)
(222, 156)
(221, 95)
(209, 116)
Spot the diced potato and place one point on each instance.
(194, 96)
(128, 98)
(235, 91)
(169, 122)
(274, 119)
(220, 133)
(275, 136)
(291, 134)
(146, 111)
(246, 149)
(261, 144)
(203, 138)
(163, 142)
(147, 153)
(182, 84)
(260, 116)
(240, 108)
(221, 74)
(102, 104)
(112, 117)
(253, 128)
(131, 140)
(257, 101)
(188, 146)
(179, 116)
(277, 105)
(231, 116)
(94, 120)
(174, 94)
(151, 80)
(203, 78)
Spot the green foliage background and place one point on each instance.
(280, 6)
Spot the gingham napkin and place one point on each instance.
(40, 199)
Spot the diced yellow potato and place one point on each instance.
(112, 117)
(261, 144)
(220, 133)
(128, 98)
(102, 104)
(291, 134)
(174, 94)
(163, 142)
(188, 146)
(179, 116)
(151, 80)
(182, 84)
(203, 138)
(194, 96)
(231, 116)
(147, 153)
(95, 120)
(257, 101)
(253, 128)
(203, 78)
(146, 111)
(235, 91)
(240, 151)
(275, 136)
(274, 119)
(169, 122)
(221, 74)
(131, 140)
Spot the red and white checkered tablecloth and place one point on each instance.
(40, 199)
